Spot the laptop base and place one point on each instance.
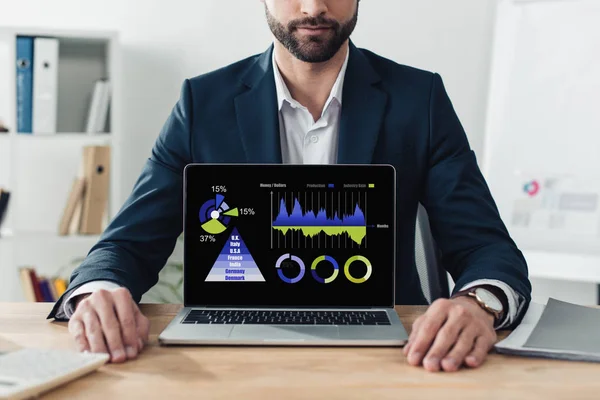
(176, 333)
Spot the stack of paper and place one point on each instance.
(558, 330)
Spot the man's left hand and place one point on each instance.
(451, 333)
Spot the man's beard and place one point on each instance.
(313, 49)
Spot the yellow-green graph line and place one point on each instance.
(356, 233)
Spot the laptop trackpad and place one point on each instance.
(283, 332)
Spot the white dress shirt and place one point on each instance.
(305, 141)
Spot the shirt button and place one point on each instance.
(314, 138)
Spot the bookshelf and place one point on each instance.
(38, 169)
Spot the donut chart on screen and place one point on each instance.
(367, 274)
(215, 215)
(286, 262)
(318, 260)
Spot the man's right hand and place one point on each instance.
(110, 322)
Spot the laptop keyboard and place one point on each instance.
(259, 317)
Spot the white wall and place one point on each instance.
(166, 41)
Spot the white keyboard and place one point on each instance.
(29, 372)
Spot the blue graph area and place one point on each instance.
(300, 218)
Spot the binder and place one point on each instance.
(98, 111)
(27, 284)
(45, 85)
(75, 225)
(96, 164)
(73, 202)
(4, 197)
(24, 84)
(94, 109)
(103, 107)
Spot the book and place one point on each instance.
(96, 167)
(52, 289)
(45, 289)
(39, 288)
(45, 85)
(24, 84)
(35, 284)
(61, 286)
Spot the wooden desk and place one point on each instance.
(292, 373)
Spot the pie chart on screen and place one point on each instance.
(532, 188)
(215, 215)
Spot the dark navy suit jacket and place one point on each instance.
(391, 114)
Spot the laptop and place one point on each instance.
(288, 255)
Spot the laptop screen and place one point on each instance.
(289, 235)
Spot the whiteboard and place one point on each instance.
(542, 141)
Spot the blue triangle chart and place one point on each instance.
(235, 263)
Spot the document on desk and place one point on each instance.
(558, 330)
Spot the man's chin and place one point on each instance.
(317, 56)
(313, 47)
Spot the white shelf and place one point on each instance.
(46, 237)
(79, 35)
(39, 169)
(61, 135)
(71, 136)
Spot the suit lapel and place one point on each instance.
(363, 108)
(256, 112)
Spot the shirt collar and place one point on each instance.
(284, 95)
